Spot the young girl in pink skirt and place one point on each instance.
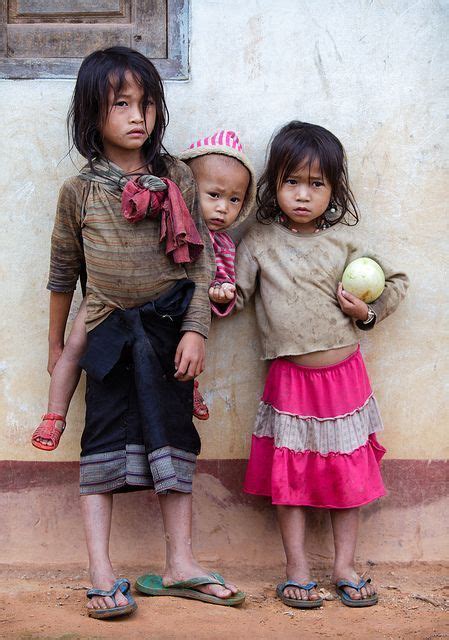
(314, 442)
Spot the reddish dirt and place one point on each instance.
(50, 604)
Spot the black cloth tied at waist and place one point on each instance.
(145, 339)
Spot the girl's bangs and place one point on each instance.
(298, 157)
(117, 80)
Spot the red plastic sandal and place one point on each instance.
(48, 431)
(200, 409)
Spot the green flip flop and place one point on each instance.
(151, 585)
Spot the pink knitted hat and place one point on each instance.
(226, 143)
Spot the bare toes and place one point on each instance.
(368, 590)
(217, 590)
(232, 588)
(99, 602)
(120, 599)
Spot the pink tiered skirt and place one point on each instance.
(314, 442)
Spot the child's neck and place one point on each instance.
(129, 162)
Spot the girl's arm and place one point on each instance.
(396, 285)
(67, 255)
(59, 310)
(247, 270)
(66, 262)
(190, 354)
(197, 317)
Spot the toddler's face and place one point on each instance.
(303, 196)
(222, 185)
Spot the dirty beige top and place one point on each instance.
(126, 264)
(294, 278)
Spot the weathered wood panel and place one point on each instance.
(20, 8)
(71, 41)
(31, 11)
(150, 28)
(49, 38)
(3, 23)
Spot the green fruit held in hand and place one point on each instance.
(364, 278)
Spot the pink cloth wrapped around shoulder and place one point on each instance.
(182, 240)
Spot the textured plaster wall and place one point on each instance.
(375, 73)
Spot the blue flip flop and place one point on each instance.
(350, 602)
(293, 602)
(122, 585)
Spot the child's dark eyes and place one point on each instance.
(315, 183)
(124, 103)
(213, 194)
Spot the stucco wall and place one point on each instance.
(374, 73)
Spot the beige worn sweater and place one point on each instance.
(294, 278)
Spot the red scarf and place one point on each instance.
(182, 241)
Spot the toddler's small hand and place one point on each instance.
(350, 305)
(229, 290)
(222, 293)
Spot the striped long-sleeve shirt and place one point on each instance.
(224, 250)
(126, 264)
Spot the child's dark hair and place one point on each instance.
(296, 144)
(100, 72)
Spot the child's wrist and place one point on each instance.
(55, 343)
(370, 315)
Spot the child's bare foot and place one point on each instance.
(294, 593)
(349, 574)
(105, 582)
(47, 435)
(300, 574)
(194, 570)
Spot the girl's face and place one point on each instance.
(127, 125)
(303, 196)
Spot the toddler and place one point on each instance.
(227, 189)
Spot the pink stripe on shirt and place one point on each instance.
(224, 250)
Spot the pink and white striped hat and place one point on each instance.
(226, 143)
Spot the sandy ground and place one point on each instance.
(414, 604)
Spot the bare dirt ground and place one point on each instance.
(50, 604)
